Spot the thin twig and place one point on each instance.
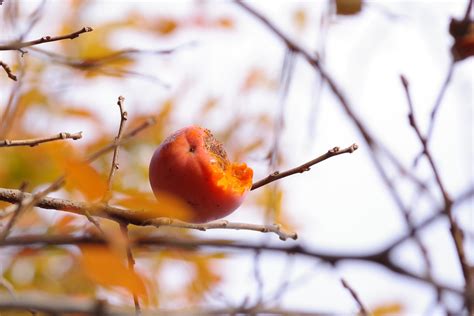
(108, 195)
(8, 71)
(304, 167)
(44, 39)
(131, 263)
(381, 258)
(362, 310)
(448, 203)
(114, 166)
(437, 106)
(36, 141)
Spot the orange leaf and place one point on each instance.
(225, 22)
(166, 26)
(106, 267)
(82, 176)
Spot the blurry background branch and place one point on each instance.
(381, 257)
(59, 305)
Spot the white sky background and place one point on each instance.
(340, 205)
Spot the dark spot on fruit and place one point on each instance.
(192, 148)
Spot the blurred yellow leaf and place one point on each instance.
(300, 19)
(107, 268)
(387, 309)
(35, 165)
(148, 207)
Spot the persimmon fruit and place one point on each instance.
(193, 166)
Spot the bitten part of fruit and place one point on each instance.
(192, 165)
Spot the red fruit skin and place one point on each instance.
(183, 166)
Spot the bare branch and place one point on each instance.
(448, 203)
(114, 167)
(8, 71)
(438, 102)
(123, 215)
(304, 167)
(36, 141)
(224, 224)
(44, 39)
(363, 311)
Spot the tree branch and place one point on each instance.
(8, 71)
(304, 167)
(44, 39)
(363, 311)
(114, 166)
(123, 215)
(36, 141)
(448, 203)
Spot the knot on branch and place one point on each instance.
(353, 148)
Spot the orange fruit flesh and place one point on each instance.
(235, 177)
